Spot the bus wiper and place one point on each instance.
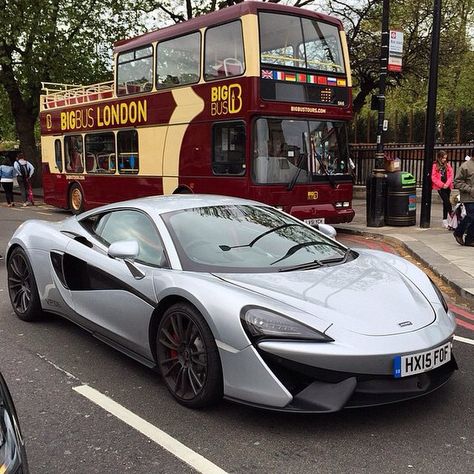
(292, 183)
(297, 247)
(226, 248)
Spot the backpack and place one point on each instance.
(24, 171)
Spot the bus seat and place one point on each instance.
(233, 67)
(91, 162)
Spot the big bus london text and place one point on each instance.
(250, 101)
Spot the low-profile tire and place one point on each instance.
(76, 199)
(188, 358)
(22, 288)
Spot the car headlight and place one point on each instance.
(440, 296)
(259, 323)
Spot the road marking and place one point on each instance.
(68, 374)
(462, 323)
(178, 449)
(464, 339)
(461, 312)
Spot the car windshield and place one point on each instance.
(246, 238)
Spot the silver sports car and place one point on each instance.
(232, 298)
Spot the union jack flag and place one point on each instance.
(267, 74)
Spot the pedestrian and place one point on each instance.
(24, 171)
(442, 181)
(464, 181)
(7, 173)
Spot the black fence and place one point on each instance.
(411, 156)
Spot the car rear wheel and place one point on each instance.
(76, 199)
(188, 357)
(22, 287)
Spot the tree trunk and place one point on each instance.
(24, 113)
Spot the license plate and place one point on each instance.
(314, 221)
(413, 364)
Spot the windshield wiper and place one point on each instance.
(297, 247)
(226, 248)
(303, 266)
(342, 259)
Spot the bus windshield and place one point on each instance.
(299, 42)
(298, 150)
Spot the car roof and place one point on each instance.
(173, 202)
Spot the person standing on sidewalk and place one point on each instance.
(464, 181)
(442, 180)
(24, 170)
(7, 173)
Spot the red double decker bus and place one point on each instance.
(250, 101)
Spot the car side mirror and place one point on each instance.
(124, 249)
(327, 230)
(128, 251)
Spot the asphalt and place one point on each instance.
(435, 246)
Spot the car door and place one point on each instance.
(116, 301)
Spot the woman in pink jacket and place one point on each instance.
(442, 178)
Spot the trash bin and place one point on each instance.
(400, 205)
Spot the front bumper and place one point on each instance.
(317, 390)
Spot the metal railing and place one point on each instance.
(410, 155)
(59, 95)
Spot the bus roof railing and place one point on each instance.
(56, 95)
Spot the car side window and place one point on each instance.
(132, 225)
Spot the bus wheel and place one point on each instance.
(182, 190)
(76, 199)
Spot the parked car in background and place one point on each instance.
(12, 447)
(232, 298)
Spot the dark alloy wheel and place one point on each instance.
(188, 357)
(22, 286)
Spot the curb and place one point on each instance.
(442, 268)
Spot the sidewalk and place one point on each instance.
(435, 246)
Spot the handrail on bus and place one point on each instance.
(55, 94)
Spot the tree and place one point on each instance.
(58, 41)
(363, 22)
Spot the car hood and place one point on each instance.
(366, 295)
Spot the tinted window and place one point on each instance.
(229, 149)
(73, 153)
(100, 153)
(58, 155)
(127, 147)
(245, 238)
(298, 150)
(287, 40)
(135, 71)
(132, 225)
(224, 51)
(178, 61)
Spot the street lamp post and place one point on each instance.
(376, 182)
(430, 130)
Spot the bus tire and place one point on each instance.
(76, 199)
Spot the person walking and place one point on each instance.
(7, 173)
(24, 171)
(464, 181)
(442, 181)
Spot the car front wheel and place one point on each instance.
(22, 287)
(188, 357)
